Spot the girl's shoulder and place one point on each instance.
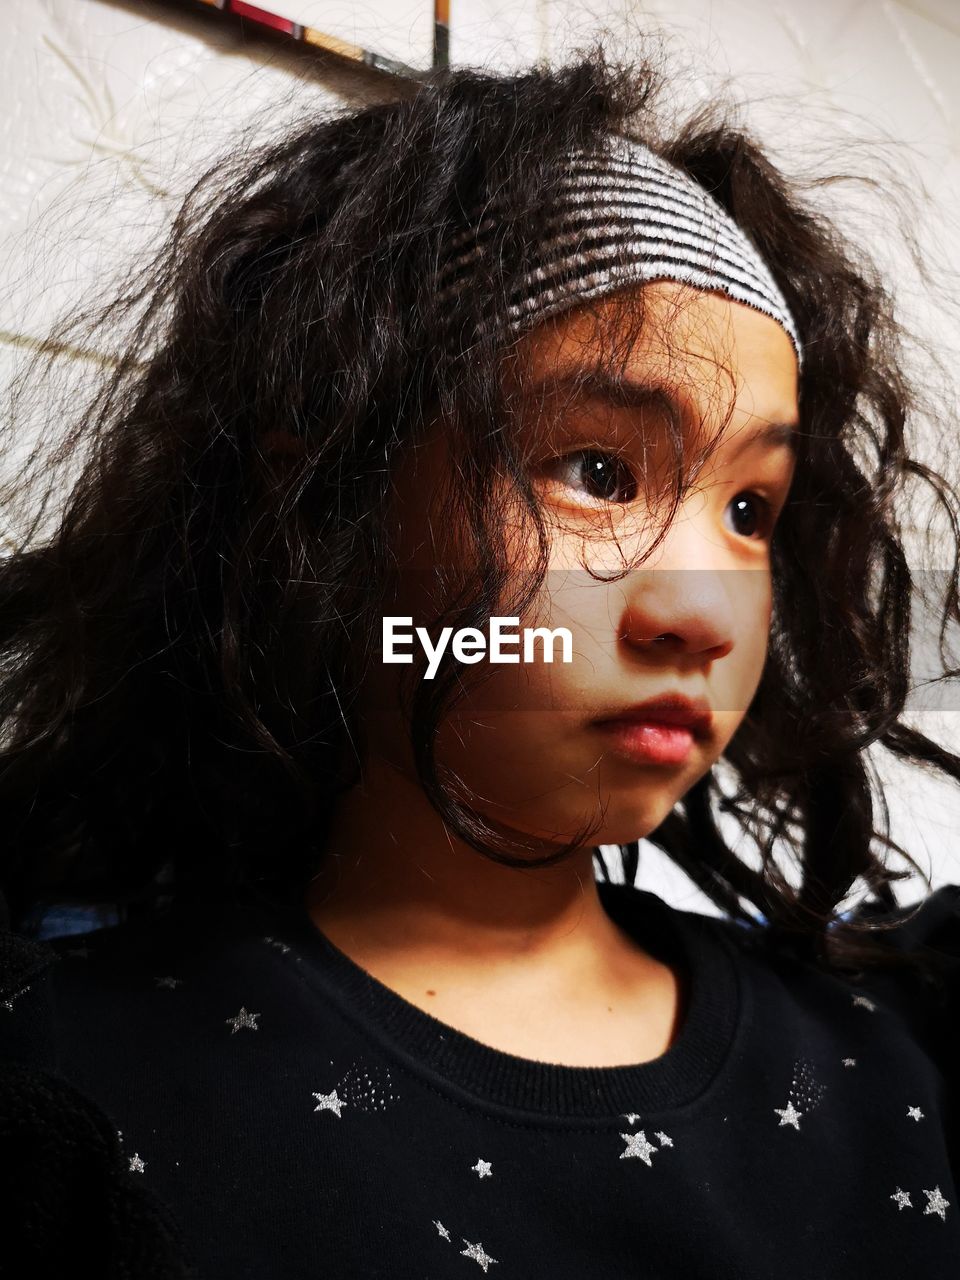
(932, 924)
(925, 933)
(917, 995)
(928, 993)
(60, 991)
(74, 1196)
(928, 930)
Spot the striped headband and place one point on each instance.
(624, 216)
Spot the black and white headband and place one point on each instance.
(625, 215)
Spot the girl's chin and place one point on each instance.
(623, 824)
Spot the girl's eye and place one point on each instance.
(606, 477)
(747, 521)
(603, 476)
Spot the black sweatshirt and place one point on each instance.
(229, 1095)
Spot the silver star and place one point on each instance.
(631, 1117)
(789, 1115)
(329, 1102)
(441, 1229)
(663, 1140)
(638, 1146)
(8, 1004)
(902, 1198)
(482, 1169)
(475, 1251)
(171, 983)
(864, 1003)
(281, 946)
(936, 1203)
(136, 1164)
(243, 1019)
(849, 1062)
(915, 1113)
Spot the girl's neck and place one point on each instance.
(395, 882)
(528, 962)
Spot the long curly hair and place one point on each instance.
(180, 656)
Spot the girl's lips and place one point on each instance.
(670, 708)
(649, 741)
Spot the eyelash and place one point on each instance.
(767, 508)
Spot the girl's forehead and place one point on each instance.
(666, 322)
(695, 352)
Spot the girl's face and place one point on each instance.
(527, 740)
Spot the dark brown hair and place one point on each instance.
(180, 657)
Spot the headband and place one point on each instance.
(625, 215)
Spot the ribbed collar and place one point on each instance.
(491, 1076)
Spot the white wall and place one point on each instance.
(108, 108)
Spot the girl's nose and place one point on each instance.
(690, 602)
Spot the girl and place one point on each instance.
(505, 349)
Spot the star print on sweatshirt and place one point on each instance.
(295, 1118)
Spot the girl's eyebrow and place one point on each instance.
(625, 392)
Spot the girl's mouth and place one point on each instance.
(649, 741)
